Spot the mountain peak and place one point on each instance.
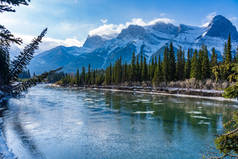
(94, 41)
(221, 27)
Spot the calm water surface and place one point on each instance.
(91, 124)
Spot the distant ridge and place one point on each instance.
(100, 52)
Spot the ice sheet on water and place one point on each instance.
(194, 112)
(202, 122)
(144, 112)
(200, 117)
(158, 103)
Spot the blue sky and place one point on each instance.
(72, 20)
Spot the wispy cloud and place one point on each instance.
(233, 19)
(162, 14)
(112, 30)
(208, 19)
(49, 43)
(104, 21)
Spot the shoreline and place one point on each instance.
(175, 92)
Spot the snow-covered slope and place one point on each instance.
(151, 39)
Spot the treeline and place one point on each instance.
(165, 68)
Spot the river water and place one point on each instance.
(56, 123)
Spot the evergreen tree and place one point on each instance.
(172, 63)
(225, 52)
(188, 65)
(158, 75)
(166, 65)
(4, 63)
(194, 66)
(83, 76)
(124, 72)
(228, 55)
(138, 74)
(180, 65)
(199, 64)
(214, 58)
(236, 57)
(205, 64)
(133, 68)
(93, 81)
(88, 77)
(144, 70)
(108, 76)
(77, 77)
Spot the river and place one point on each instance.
(56, 123)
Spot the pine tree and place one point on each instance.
(4, 63)
(166, 65)
(214, 58)
(228, 55)
(199, 64)
(194, 65)
(124, 72)
(108, 76)
(133, 67)
(205, 64)
(158, 76)
(225, 52)
(83, 76)
(180, 65)
(138, 74)
(88, 77)
(188, 65)
(144, 70)
(77, 77)
(236, 57)
(172, 63)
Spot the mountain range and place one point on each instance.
(100, 51)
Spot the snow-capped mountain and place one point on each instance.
(151, 39)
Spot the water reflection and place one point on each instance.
(62, 123)
(25, 138)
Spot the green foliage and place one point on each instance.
(197, 65)
(187, 68)
(231, 92)
(23, 86)
(25, 57)
(171, 63)
(180, 65)
(194, 66)
(158, 75)
(6, 5)
(227, 51)
(10, 71)
(165, 65)
(227, 143)
(4, 63)
(205, 67)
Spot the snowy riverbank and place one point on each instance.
(177, 92)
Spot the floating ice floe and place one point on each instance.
(144, 112)
(158, 103)
(194, 112)
(199, 117)
(203, 123)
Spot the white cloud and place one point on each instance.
(111, 30)
(104, 21)
(233, 19)
(49, 43)
(208, 19)
(162, 14)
